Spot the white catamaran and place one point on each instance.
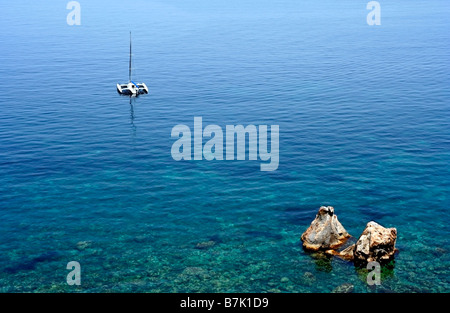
(132, 88)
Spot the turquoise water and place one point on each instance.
(86, 176)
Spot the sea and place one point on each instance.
(87, 175)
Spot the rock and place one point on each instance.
(346, 254)
(325, 231)
(82, 245)
(284, 280)
(439, 251)
(205, 244)
(344, 288)
(345, 251)
(376, 243)
(192, 273)
(140, 239)
(308, 279)
(193, 270)
(309, 276)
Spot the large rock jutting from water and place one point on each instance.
(376, 243)
(325, 232)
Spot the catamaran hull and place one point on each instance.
(132, 89)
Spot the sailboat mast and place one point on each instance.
(129, 69)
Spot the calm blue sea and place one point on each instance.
(87, 176)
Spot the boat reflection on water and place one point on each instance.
(132, 117)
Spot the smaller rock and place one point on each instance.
(308, 279)
(82, 245)
(194, 270)
(439, 251)
(284, 280)
(309, 276)
(205, 244)
(344, 288)
(140, 239)
(346, 254)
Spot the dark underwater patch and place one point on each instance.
(376, 213)
(297, 215)
(263, 234)
(27, 264)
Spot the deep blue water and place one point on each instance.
(364, 117)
